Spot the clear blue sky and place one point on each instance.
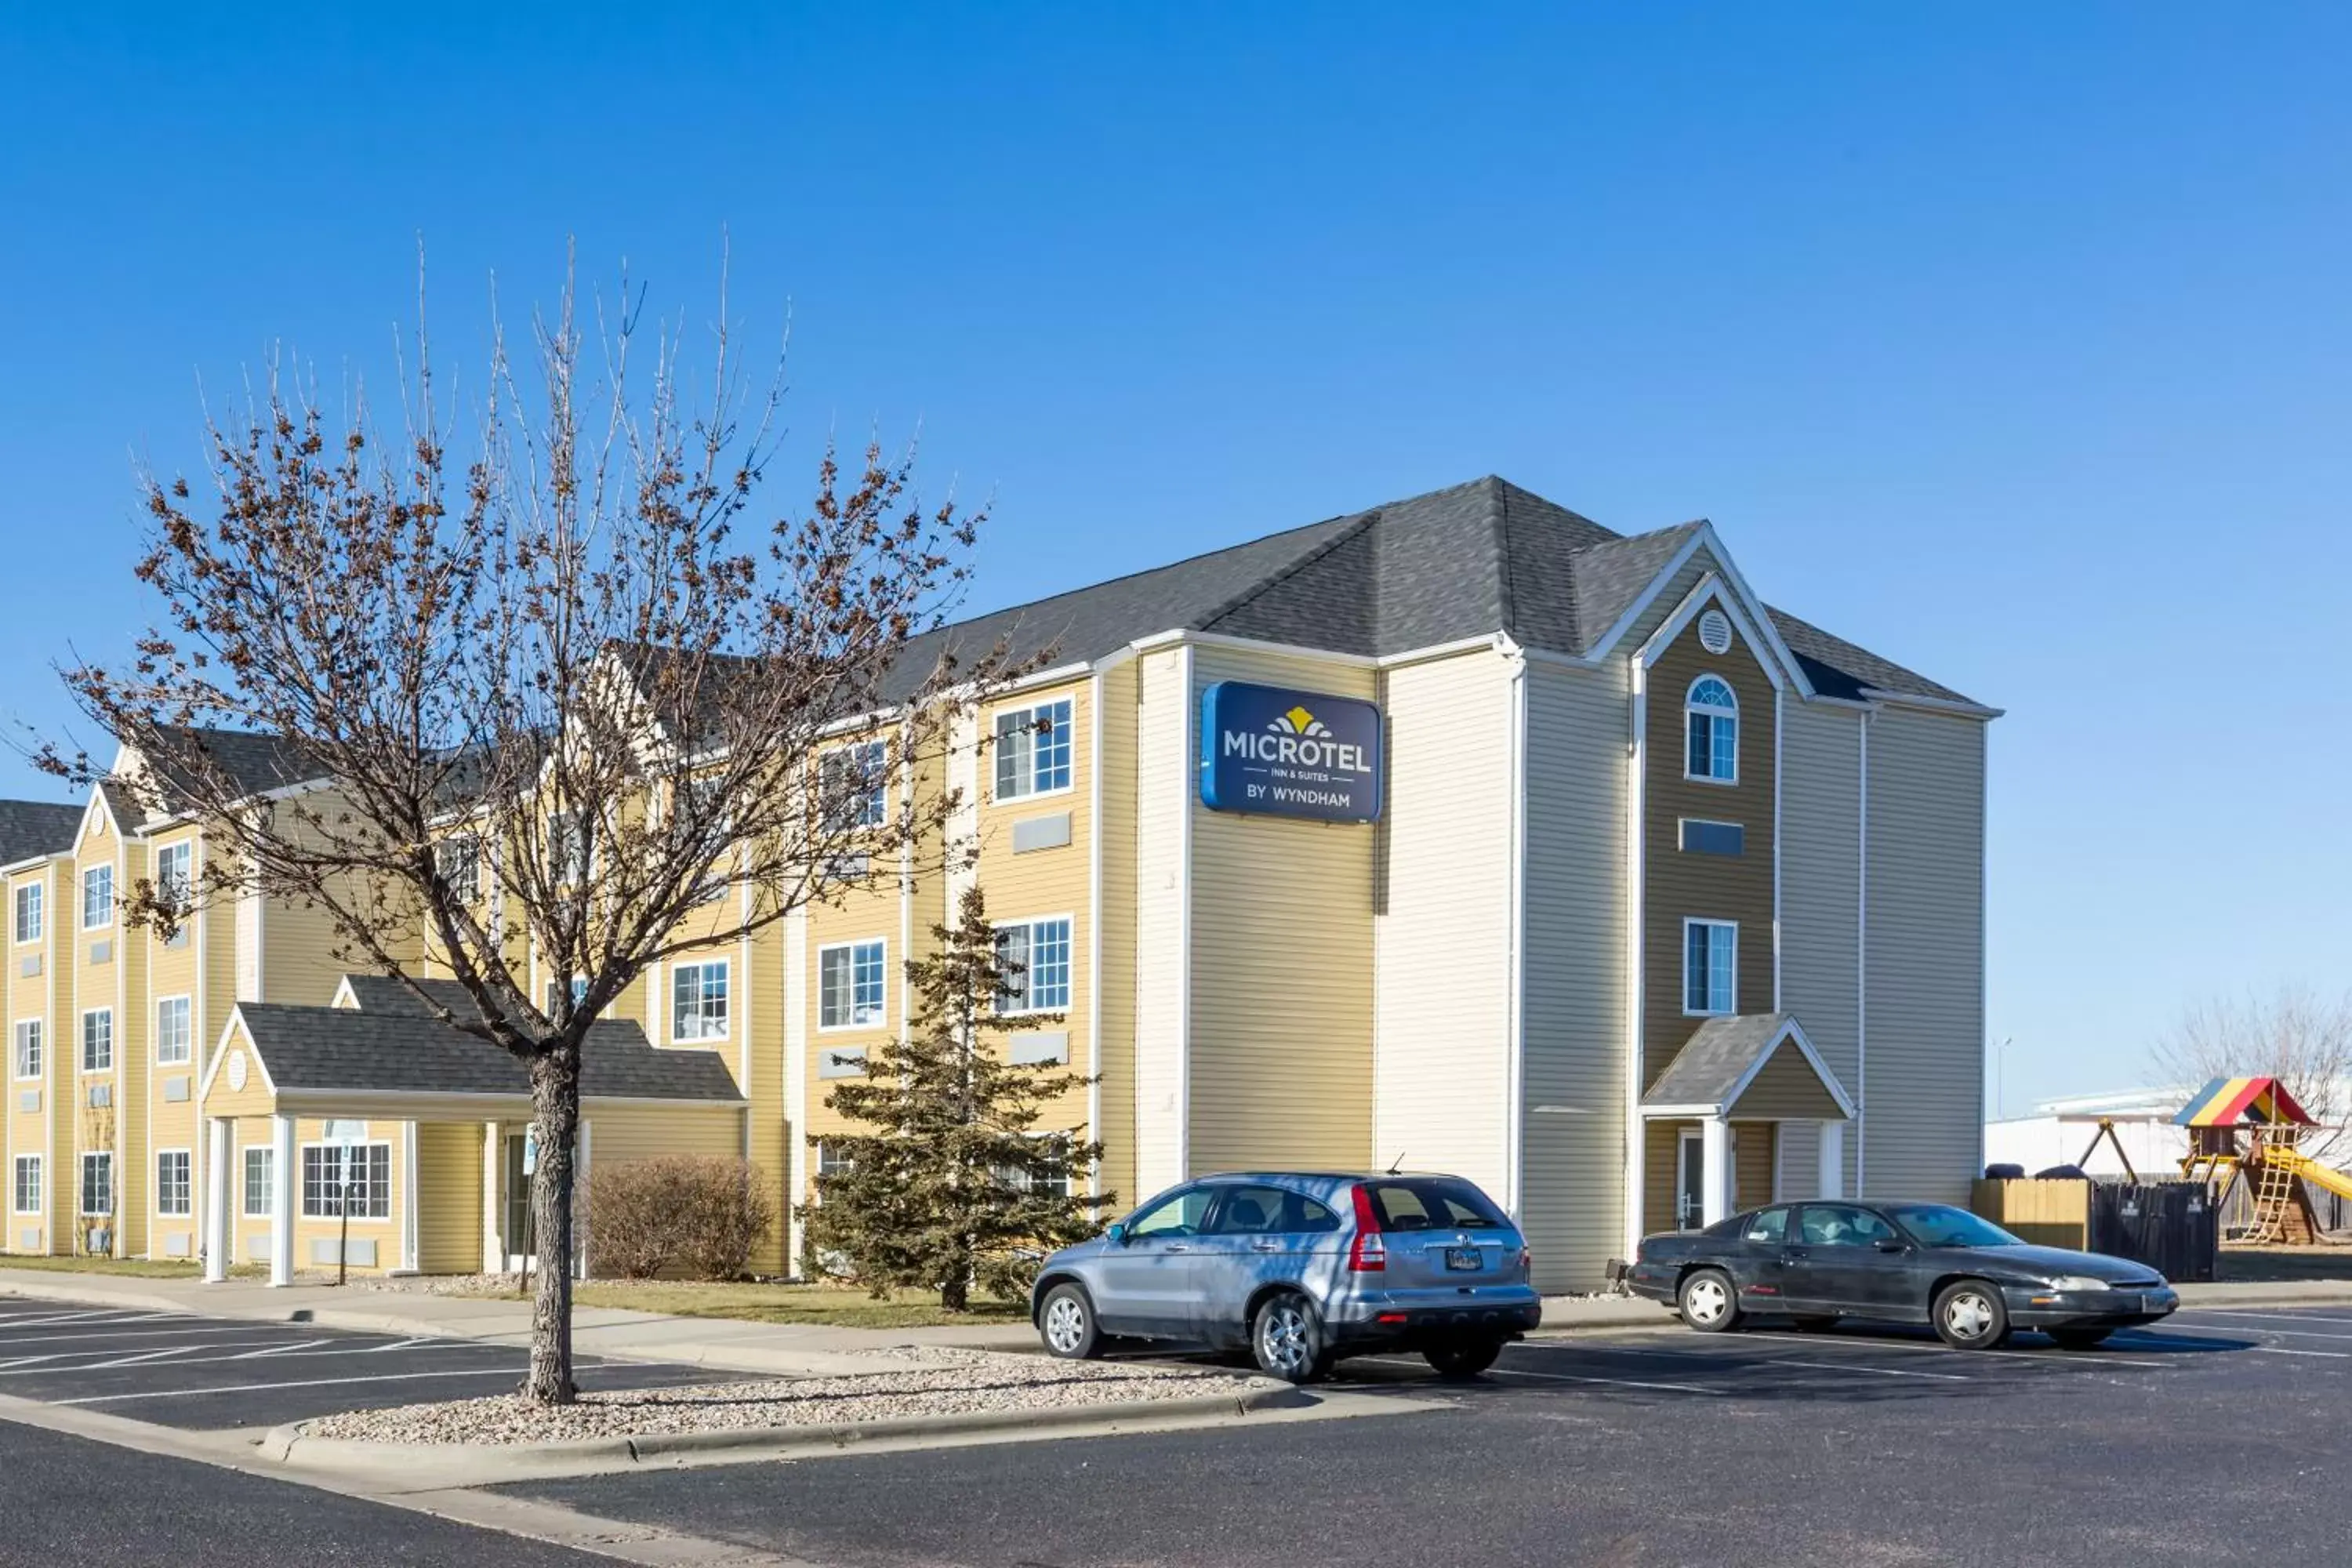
(2008, 340)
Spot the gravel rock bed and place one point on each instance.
(906, 1381)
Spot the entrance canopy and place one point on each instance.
(1752, 1066)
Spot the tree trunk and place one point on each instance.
(555, 1128)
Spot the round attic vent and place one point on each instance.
(1715, 632)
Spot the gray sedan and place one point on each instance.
(1301, 1269)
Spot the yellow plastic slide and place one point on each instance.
(2311, 1170)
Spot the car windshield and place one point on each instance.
(1941, 1225)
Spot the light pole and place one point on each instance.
(2001, 1077)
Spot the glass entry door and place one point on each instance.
(1690, 1176)
(514, 1207)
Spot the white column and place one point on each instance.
(218, 1153)
(409, 1187)
(581, 1212)
(1714, 1168)
(494, 1254)
(1832, 1180)
(286, 1180)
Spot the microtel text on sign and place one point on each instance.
(1273, 752)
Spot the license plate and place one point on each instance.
(1464, 1260)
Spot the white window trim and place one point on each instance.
(881, 1020)
(40, 1180)
(82, 1187)
(16, 1059)
(181, 1061)
(1031, 708)
(88, 923)
(40, 919)
(301, 1214)
(180, 849)
(190, 1156)
(81, 1042)
(1690, 706)
(726, 968)
(887, 790)
(244, 1194)
(1731, 926)
(1033, 920)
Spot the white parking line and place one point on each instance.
(7, 1340)
(1558, 1376)
(1877, 1371)
(2070, 1360)
(284, 1352)
(2248, 1312)
(2264, 1329)
(2281, 1350)
(267, 1388)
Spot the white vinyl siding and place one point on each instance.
(1163, 772)
(1821, 909)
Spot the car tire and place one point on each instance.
(1708, 1302)
(1458, 1361)
(1288, 1339)
(1067, 1323)
(1970, 1316)
(2080, 1339)
(1814, 1323)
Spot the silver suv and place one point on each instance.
(1303, 1269)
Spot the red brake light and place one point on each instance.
(1368, 1254)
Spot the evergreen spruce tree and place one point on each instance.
(952, 1188)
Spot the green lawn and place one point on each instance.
(817, 1305)
(134, 1267)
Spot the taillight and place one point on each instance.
(1368, 1254)
(1527, 1260)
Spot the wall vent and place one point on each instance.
(1715, 632)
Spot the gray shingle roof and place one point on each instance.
(256, 762)
(383, 994)
(1718, 1053)
(331, 1048)
(1465, 561)
(30, 828)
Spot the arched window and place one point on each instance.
(1712, 714)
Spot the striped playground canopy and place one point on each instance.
(2234, 1102)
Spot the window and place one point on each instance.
(97, 1041)
(27, 1188)
(570, 854)
(98, 898)
(1430, 1203)
(1713, 714)
(174, 1034)
(1032, 749)
(1710, 968)
(1826, 1224)
(28, 912)
(172, 1194)
(260, 1190)
(458, 862)
(854, 782)
(830, 1162)
(97, 1183)
(1249, 1211)
(1023, 1179)
(1770, 1228)
(706, 805)
(1179, 1214)
(173, 882)
(28, 1048)
(698, 1002)
(849, 985)
(1035, 958)
(556, 988)
(324, 1172)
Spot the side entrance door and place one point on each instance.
(1690, 1177)
(514, 1203)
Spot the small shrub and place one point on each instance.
(688, 1216)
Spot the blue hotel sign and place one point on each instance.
(1278, 752)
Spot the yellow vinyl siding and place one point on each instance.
(624, 1133)
(34, 1130)
(385, 1232)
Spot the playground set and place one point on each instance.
(2249, 1130)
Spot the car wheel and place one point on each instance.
(1461, 1359)
(1815, 1323)
(1971, 1316)
(1707, 1302)
(1287, 1337)
(2080, 1339)
(1067, 1324)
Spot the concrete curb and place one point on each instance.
(418, 1465)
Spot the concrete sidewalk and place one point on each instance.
(780, 1349)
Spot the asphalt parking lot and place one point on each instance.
(2179, 1443)
(179, 1370)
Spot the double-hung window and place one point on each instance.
(98, 898)
(97, 1041)
(1710, 968)
(174, 1196)
(698, 1002)
(1034, 956)
(27, 1198)
(174, 882)
(854, 782)
(28, 912)
(359, 1173)
(260, 1189)
(1712, 714)
(97, 1184)
(849, 985)
(28, 1048)
(458, 861)
(174, 1032)
(1032, 749)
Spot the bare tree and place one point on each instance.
(569, 697)
(2295, 1034)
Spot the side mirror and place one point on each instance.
(1117, 1235)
